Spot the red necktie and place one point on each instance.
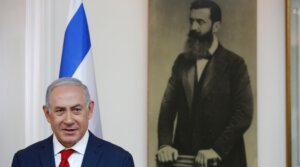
(65, 154)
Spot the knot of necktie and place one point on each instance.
(65, 154)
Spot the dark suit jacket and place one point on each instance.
(221, 114)
(99, 153)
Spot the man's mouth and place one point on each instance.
(69, 131)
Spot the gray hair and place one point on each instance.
(67, 81)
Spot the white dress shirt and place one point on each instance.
(201, 63)
(75, 160)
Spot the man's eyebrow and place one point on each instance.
(77, 105)
(197, 19)
(59, 107)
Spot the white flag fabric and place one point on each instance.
(77, 58)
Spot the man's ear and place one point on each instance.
(90, 109)
(216, 26)
(46, 112)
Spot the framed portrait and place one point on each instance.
(202, 83)
(292, 74)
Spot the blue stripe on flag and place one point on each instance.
(76, 44)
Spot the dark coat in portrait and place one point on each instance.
(213, 112)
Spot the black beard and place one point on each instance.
(197, 44)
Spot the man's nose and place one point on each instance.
(194, 25)
(68, 117)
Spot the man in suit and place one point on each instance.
(208, 96)
(68, 109)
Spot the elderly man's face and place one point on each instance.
(69, 114)
(200, 20)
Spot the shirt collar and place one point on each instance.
(79, 147)
(214, 45)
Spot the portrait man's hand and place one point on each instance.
(167, 154)
(204, 155)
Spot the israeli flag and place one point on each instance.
(77, 59)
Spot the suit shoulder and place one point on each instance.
(108, 147)
(182, 57)
(33, 147)
(231, 55)
(113, 154)
(29, 156)
(182, 62)
(112, 148)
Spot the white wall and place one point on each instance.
(118, 33)
(271, 83)
(12, 37)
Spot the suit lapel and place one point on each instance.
(46, 153)
(92, 152)
(214, 70)
(188, 84)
